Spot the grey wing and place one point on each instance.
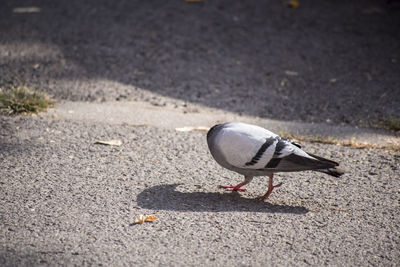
(289, 157)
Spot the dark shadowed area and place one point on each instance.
(325, 61)
(166, 197)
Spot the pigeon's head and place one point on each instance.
(212, 130)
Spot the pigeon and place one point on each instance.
(251, 150)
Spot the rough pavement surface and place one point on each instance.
(67, 201)
(324, 61)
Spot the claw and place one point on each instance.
(237, 187)
(232, 188)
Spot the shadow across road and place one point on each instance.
(324, 61)
(166, 197)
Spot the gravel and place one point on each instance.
(67, 201)
(321, 62)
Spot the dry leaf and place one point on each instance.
(150, 218)
(144, 218)
(190, 128)
(291, 73)
(139, 219)
(110, 142)
(292, 4)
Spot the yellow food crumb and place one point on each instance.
(145, 218)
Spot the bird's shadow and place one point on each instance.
(166, 197)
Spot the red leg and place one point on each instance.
(270, 188)
(236, 187)
(247, 179)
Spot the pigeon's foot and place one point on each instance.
(270, 188)
(269, 192)
(236, 187)
(232, 188)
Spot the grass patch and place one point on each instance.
(335, 141)
(391, 124)
(22, 100)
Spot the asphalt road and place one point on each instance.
(325, 61)
(67, 201)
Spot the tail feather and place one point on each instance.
(324, 159)
(336, 172)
